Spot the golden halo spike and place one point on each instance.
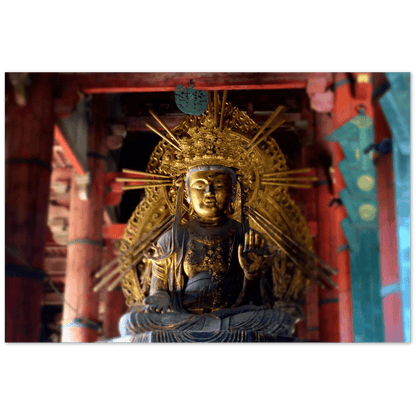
(115, 261)
(134, 251)
(156, 117)
(290, 242)
(291, 185)
(120, 278)
(224, 97)
(139, 254)
(266, 124)
(122, 257)
(170, 141)
(136, 172)
(106, 279)
(303, 269)
(145, 180)
(287, 172)
(326, 267)
(281, 178)
(209, 102)
(147, 185)
(216, 99)
(265, 135)
(127, 252)
(286, 250)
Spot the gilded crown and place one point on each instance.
(207, 144)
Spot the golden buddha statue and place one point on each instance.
(209, 269)
(232, 258)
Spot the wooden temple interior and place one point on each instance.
(69, 135)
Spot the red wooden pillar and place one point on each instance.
(115, 302)
(85, 239)
(342, 113)
(29, 140)
(309, 328)
(392, 303)
(308, 197)
(328, 228)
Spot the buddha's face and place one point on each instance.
(210, 193)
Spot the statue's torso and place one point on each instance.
(214, 278)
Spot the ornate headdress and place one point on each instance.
(221, 136)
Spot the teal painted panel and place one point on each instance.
(349, 205)
(365, 287)
(346, 130)
(361, 226)
(350, 234)
(400, 90)
(351, 180)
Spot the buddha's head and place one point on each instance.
(210, 191)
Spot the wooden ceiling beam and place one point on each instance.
(172, 120)
(51, 298)
(55, 266)
(108, 83)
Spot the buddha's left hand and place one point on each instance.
(253, 259)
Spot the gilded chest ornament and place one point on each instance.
(206, 257)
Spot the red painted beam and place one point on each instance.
(114, 231)
(106, 83)
(113, 197)
(57, 280)
(344, 110)
(60, 138)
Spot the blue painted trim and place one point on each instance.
(387, 290)
(96, 155)
(341, 83)
(79, 323)
(401, 132)
(32, 161)
(343, 248)
(380, 90)
(320, 183)
(395, 104)
(86, 241)
(16, 270)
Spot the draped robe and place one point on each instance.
(230, 303)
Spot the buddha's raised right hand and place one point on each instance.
(157, 302)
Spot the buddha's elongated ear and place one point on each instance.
(178, 214)
(230, 209)
(186, 194)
